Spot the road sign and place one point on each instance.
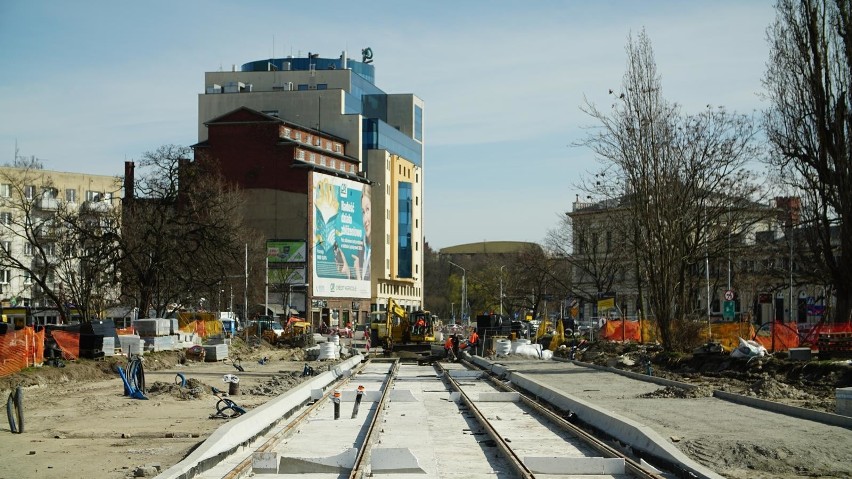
(729, 295)
(728, 310)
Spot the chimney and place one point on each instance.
(128, 179)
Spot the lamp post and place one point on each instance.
(463, 290)
(501, 290)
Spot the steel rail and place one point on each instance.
(244, 467)
(508, 453)
(633, 467)
(362, 459)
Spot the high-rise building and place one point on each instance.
(333, 167)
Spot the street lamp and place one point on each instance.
(463, 290)
(501, 290)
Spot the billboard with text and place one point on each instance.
(341, 239)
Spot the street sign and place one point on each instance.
(728, 309)
(729, 295)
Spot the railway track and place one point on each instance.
(392, 418)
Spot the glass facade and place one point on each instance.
(405, 250)
(379, 135)
(418, 123)
(304, 64)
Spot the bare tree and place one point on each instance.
(682, 179)
(66, 252)
(809, 124)
(182, 232)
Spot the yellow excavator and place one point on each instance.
(396, 327)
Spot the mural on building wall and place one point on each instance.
(341, 238)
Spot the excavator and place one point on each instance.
(397, 327)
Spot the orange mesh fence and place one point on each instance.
(68, 342)
(201, 323)
(20, 349)
(777, 336)
(812, 336)
(729, 334)
(620, 330)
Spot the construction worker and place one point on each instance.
(448, 348)
(420, 326)
(473, 341)
(455, 342)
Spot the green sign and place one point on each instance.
(728, 310)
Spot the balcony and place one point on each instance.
(47, 204)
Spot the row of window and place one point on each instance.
(6, 277)
(310, 139)
(53, 193)
(323, 160)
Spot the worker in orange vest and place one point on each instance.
(448, 348)
(473, 342)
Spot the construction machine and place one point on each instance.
(396, 327)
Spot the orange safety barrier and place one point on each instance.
(20, 349)
(620, 330)
(201, 323)
(729, 334)
(68, 342)
(812, 336)
(777, 336)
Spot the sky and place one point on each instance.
(88, 85)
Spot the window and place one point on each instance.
(7, 246)
(286, 133)
(337, 148)
(5, 276)
(6, 218)
(50, 249)
(71, 195)
(302, 87)
(49, 193)
(322, 86)
(6, 190)
(29, 192)
(28, 249)
(93, 195)
(28, 278)
(298, 136)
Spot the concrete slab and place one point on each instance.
(394, 460)
(264, 463)
(575, 465)
(499, 397)
(337, 463)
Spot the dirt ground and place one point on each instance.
(78, 423)
(807, 384)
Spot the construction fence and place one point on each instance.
(775, 336)
(20, 349)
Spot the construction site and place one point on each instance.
(166, 411)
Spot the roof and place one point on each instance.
(490, 247)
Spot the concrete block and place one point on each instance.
(575, 465)
(342, 462)
(800, 354)
(215, 352)
(394, 460)
(844, 401)
(109, 346)
(264, 463)
(160, 343)
(464, 374)
(150, 327)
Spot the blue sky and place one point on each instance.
(86, 85)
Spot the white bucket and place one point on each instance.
(503, 347)
(327, 351)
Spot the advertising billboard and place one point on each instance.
(341, 260)
(284, 251)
